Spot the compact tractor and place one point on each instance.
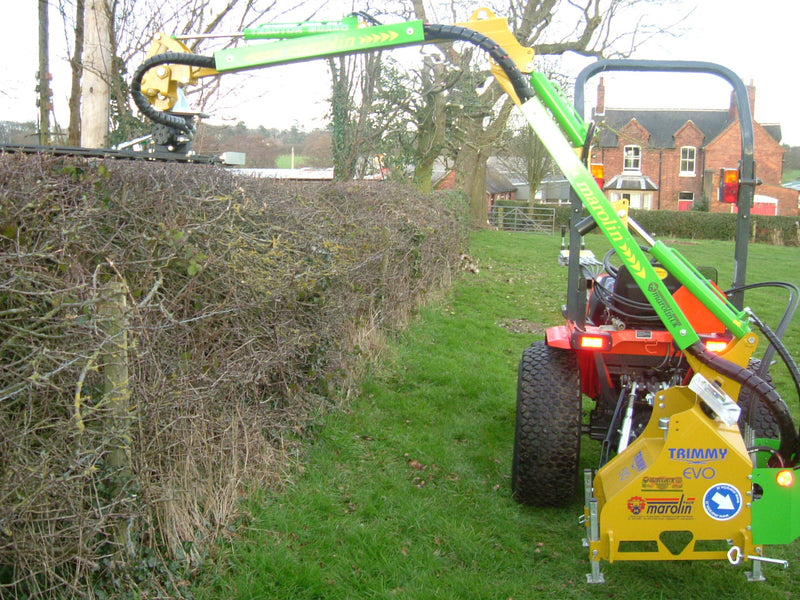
(698, 451)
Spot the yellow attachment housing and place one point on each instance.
(161, 84)
(486, 22)
(683, 489)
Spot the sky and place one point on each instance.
(758, 44)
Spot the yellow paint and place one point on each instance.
(660, 482)
(486, 22)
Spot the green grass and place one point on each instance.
(791, 175)
(407, 493)
(284, 161)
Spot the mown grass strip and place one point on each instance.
(407, 495)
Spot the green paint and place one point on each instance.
(572, 124)
(776, 515)
(711, 297)
(295, 30)
(320, 46)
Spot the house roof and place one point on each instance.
(774, 129)
(662, 124)
(792, 185)
(497, 182)
(631, 182)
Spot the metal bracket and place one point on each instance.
(735, 556)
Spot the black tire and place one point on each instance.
(545, 465)
(755, 412)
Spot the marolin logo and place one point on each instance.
(661, 507)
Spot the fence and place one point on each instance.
(523, 218)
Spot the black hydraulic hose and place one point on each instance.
(455, 32)
(783, 325)
(783, 351)
(141, 101)
(761, 389)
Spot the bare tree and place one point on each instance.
(97, 71)
(552, 27)
(354, 83)
(76, 64)
(523, 154)
(43, 87)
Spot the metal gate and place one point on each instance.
(523, 218)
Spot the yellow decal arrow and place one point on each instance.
(633, 263)
(376, 38)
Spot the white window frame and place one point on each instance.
(632, 159)
(637, 200)
(688, 159)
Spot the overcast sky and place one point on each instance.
(759, 44)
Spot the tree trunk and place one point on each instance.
(478, 144)
(432, 120)
(343, 164)
(44, 75)
(119, 417)
(74, 136)
(471, 179)
(97, 69)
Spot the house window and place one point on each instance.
(688, 159)
(632, 158)
(685, 200)
(636, 200)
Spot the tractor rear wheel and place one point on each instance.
(546, 457)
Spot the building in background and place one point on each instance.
(663, 159)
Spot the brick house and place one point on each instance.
(670, 159)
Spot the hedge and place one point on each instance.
(168, 335)
(779, 231)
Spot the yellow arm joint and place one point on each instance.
(486, 22)
(161, 83)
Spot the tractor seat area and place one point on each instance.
(618, 301)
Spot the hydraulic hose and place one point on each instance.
(457, 33)
(761, 389)
(141, 101)
(783, 325)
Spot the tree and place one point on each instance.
(354, 85)
(523, 154)
(76, 64)
(97, 70)
(44, 75)
(552, 27)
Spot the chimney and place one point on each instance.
(600, 108)
(733, 113)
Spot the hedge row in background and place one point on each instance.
(691, 224)
(167, 335)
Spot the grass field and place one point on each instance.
(286, 161)
(406, 493)
(791, 175)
